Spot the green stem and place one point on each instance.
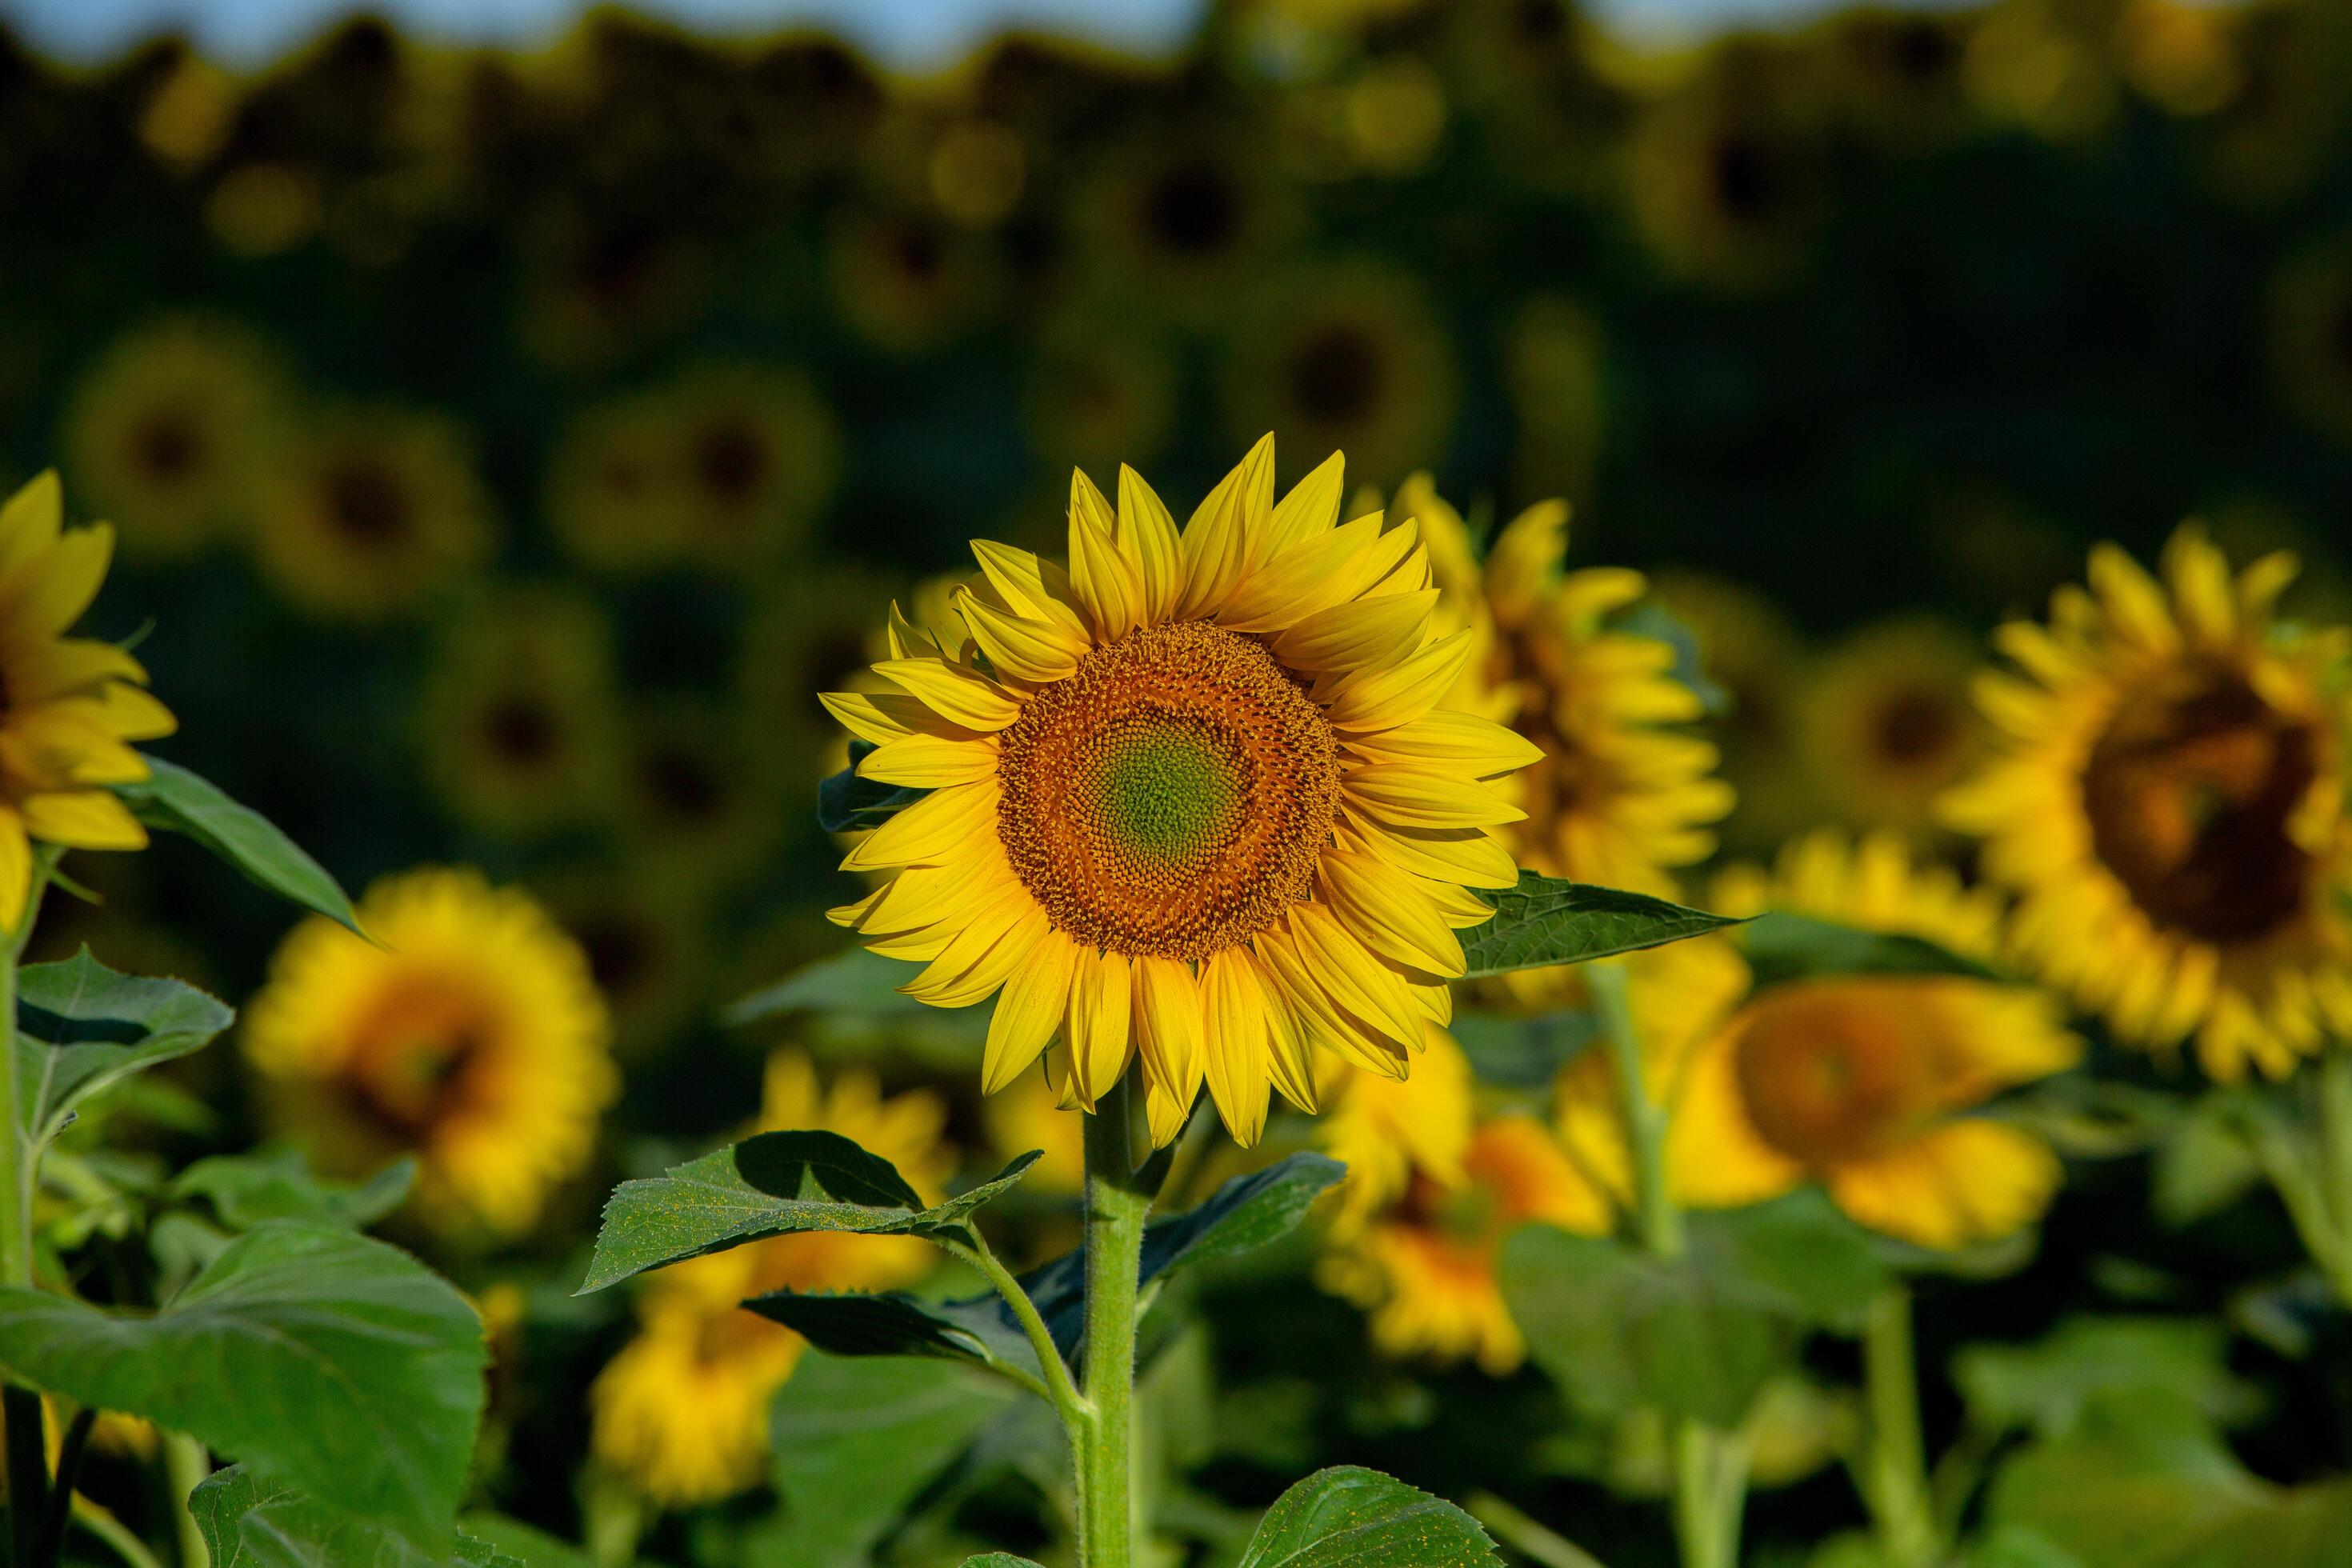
(2334, 1249)
(1525, 1536)
(1116, 1208)
(118, 1538)
(1900, 1502)
(185, 1465)
(20, 1408)
(1709, 1484)
(1052, 1386)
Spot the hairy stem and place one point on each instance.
(1900, 1504)
(185, 1465)
(1116, 1206)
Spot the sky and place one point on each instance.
(910, 33)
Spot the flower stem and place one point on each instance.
(1899, 1500)
(20, 1408)
(186, 1463)
(1116, 1206)
(1709, 1479)
(2328, 1234)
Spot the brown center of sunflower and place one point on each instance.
(1336, 375)
(414, 1055)
(368, 503)
(1915, 727)
(1172, 796)
(2189, 792)
(1831, 1071)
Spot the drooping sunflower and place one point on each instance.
(1887, 725)
(2166, 798)
(681, 1414)
(169, 433)
(1871, 1085)
(1432, 1190)
(467, 1034)
(1192, 799)
(72, 705)
(371, 513)
(1623, 793)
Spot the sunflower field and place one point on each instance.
(1426, 789)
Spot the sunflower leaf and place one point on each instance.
(846, 802)
(1349, 1517)
(176, 801)
(1545, 921)
(81, 1028)
(773, 1184)
(999, 1560)
(894, 1323)
(329, 1363)
(277, 1182)
(250, 1523)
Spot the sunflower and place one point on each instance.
(1727, 174)
(1747, 648)
(609, 496)
(1425, 1266)
(807, 633)
(753, 455)
(372, 514)
(71, 704)
(644, 935)
(1896, 76)
(467, 1034)
(1178, 222)
(2165, 797)
(1887, 725)
(1198, 808)
(1351, 356)
(516, 713)
(681, 1412)
(906, 279)
(1098, 387)
(1388, 1131)
(1027, 1115)
(1868, 1083)
(1623, 793)
(693, 797)
(171, 430)
(602, 279)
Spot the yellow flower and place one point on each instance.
(1887, 725)
(1349, 357)
(682, 1412)
(904, 279)
(373, 514)
(466, 1034)
(2166, 798)
(1622, 793)
(1726, 175)
(1200, 807)
(1028, 1115)
(72, 704)
(1426, 1266)
(170, 431)
(516, 713)
(1387, 1131)
(1865, 1083)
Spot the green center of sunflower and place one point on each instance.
(1171, 797)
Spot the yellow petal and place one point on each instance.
(1525, 558)
(1019, 648)
(45, 670)
(1330, 569)
(963, 695)
(1470, 856)
(1387, 912)
(939, 829)
(54, 592)
(85, 819)
(1966, 1182)
(1035, 998)
(1385, 698)
(1170, 1024)
(931, 761)
(1318, 1015)
(1109, 588)
(29, 525)
(1236, 1053)
(1355, 979)
(133, 714)
(1223, 539)
(1102, 993)
(1147, 537)
(1411, 796)
(15, 865)
(996, 940)
(1312, 507)
(878, 721)
(1289, 1049)
(1456, 741)
(1348, 636)
(1020, 579)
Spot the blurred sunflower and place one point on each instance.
(467, 1033)
(1557, 366)
(1896, 77)
(1887, 725)
(1100, 387)
(753, 454)
(1751, 652)
(1620, 795)
(73, 704)
(2274, 132)
(1200, 809)
(1349, 357)
(1530, 71)
(645, 937)
(1027, 1114)
(2046, 65)
(602, 278)
(2311, 335)
(371, 513)
(1386, 1129)
(1425, 1266)
(693, 801)
(1867, 1083)
(1726, 173)
(2166, 796)
(809, 632)
(516, 715)
(681, 1412)
(171, 430)
(906, 279)
(1176, 223)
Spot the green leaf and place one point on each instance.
(528, 1547)
(276, 1183)
(979, 1329)
(247, 1523)
(1349, 1517)
(853, 981)
(1784, 947)
(176, 801)
(775, 1184)
(999, 1560)
(330, 1364)
(2144, 1482)
(848, 804)
(2044, 1387)
(856, 1445)
(1798, 1255)
(1545, 921)
(82, 1028)
(1619, 1330)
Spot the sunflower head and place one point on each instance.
(2164, 797)
(471, 1038)
(1192, 800)
(71, 706)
